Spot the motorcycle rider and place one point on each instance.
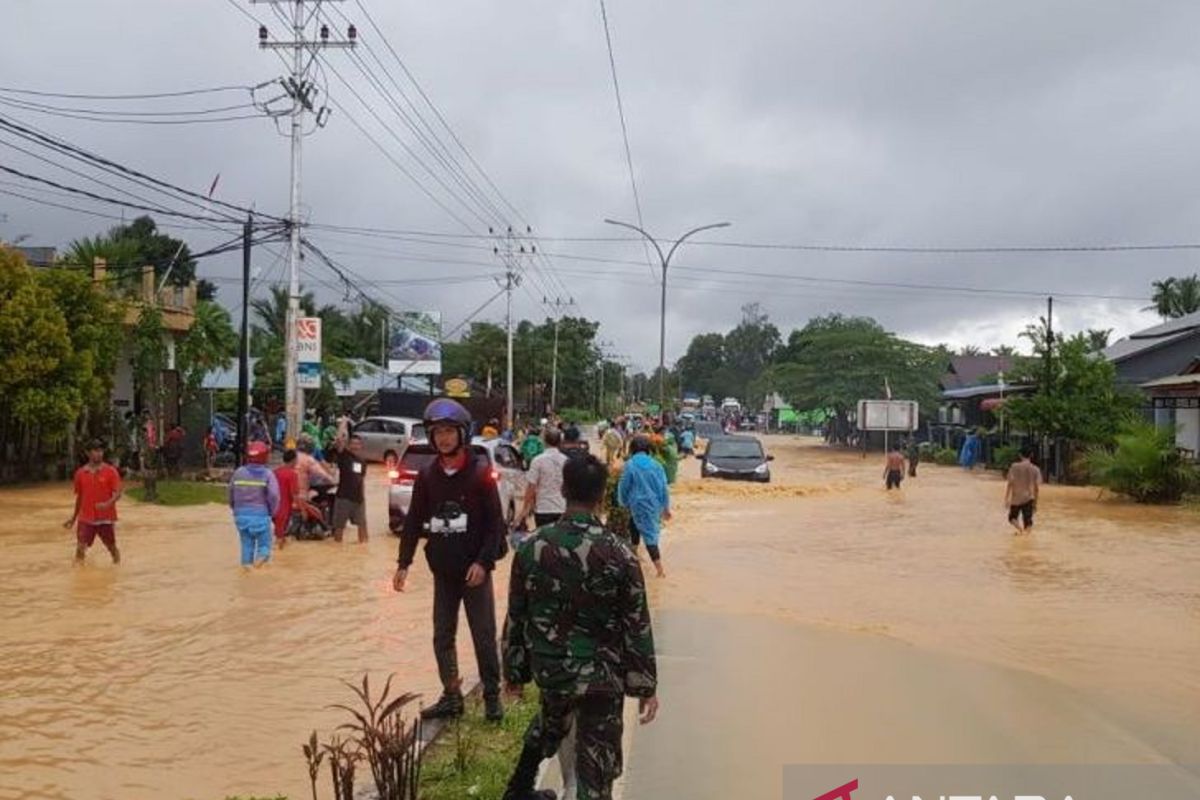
(456, 508)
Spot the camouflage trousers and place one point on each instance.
(598, 721)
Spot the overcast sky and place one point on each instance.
(908, 123)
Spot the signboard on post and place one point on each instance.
(308, 375)
(888, 415)
(415, 343)
(308, 348)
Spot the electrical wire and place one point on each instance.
(146, 96)
(637, 201)
(80, 154)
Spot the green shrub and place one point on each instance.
(946, 456)
(1005, 456)
(1144, 464)
(580, 416)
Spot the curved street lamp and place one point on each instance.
(662, 331)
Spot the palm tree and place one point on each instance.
(1098, 338)
(272, 311)
(1176, 297)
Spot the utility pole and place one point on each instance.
(1049, 340)
(510, 249)
(302, 92)
(243, 402)
(558, 304)
(665, 260)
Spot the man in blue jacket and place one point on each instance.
(643, 490)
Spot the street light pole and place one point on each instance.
(662, 322)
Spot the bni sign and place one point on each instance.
(308, 350)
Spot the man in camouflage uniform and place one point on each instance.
(579, 627)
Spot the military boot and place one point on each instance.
(449, 706)
(493, 709)
(520, 785)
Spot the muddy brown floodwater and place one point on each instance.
(175, 675)
(1102, 600)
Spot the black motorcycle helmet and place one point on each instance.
(443, 411)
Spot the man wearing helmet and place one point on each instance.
(254, 498)
(456, 509)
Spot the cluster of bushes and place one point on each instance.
(1005, 456)
(946, 456)
(1144, 464)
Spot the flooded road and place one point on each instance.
(1102, 600)
(176, 675)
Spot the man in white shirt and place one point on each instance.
(543, 490)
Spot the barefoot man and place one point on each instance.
(1021, 493)
(97, 490)
(893, 468)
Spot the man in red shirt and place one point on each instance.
(289, 485)
(97, 490)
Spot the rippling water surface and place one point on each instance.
(176, 675)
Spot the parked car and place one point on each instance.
(386, 438)
(737, 457)
(705, 431)
(504, 459)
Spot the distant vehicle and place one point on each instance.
(738, 458)
(502, 456)
(386, 438)
(730, 407)
(748, 424)
(509, 469)
(706, 431)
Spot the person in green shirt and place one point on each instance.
(532, 446)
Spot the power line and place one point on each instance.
(146, 96)
(456, 169)
(102, 198)
(637, 201)
(834, 248)
(126, 119)
(81, 154)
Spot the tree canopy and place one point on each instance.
(128, 248)
(834, 361)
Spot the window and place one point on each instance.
(368, 426)
(393, 428)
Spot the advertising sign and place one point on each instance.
(308, 375)
(457, 387)
(308, 338)
(887, 415)
(308, 346)
(415, 343)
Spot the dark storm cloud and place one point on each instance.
(923, 123)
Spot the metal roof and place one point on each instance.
(1172, 330)
(1172, 380)
(983, 391)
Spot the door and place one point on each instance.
(394, 439)
(370, 432)
(508, 464)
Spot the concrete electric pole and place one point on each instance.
(558, 304)
(510, 250)
(302, 91)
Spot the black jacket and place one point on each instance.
(459, 516)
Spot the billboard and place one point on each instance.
(415, 343)
(887, 415)
(308, 347)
